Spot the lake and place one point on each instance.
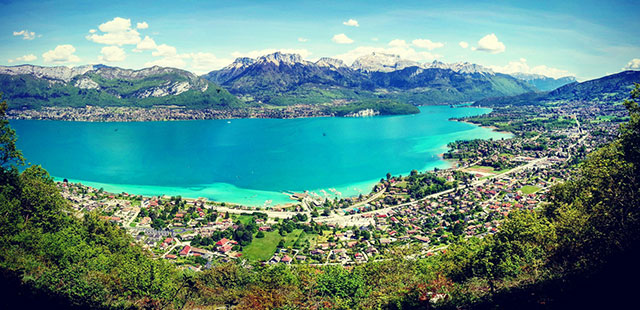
(247, 161)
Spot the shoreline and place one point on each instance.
(173, 113)
(227, 193)
(230, 194)
(160, 114)
(493, 128)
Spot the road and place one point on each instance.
(359, 220)
(128, 223)
(370, 199)
(176, 244)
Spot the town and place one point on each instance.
(422, 212)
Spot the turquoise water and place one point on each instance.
(245, 161)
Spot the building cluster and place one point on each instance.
(488, 180)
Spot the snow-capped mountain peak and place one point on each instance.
(382, 62)
(330, 62)
(279, 58)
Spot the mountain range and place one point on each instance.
(543, 83)
(609, 89)
(282, 79)
(33, 87)
(275, 79)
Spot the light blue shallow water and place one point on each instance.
(245, 161)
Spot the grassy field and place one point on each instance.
(262, 249)
(529, 189)
(291, 238)
(306, 237)
(502, 171)
(485, 169)
(244, 219)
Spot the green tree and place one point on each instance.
(630, 132)
(10, 156)
(365, 235)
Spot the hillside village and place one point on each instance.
(422, 211)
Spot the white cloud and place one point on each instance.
(405, 52)
(170, 57)
(147, 44)
(301, 39)
(490, 43)
(61, 54)
(351, 22)
(164, 50)
(23, 59)
(398, 43)
(26, 34)
(112, 54)
(142, 25)
(634, 64)
(522, 66)
(116, 32)
(117, 24)
(463, 44)
(304, 53)
(199, 63)
(428, 44)
(341, 39)
(92, 31)
(550, 72)
(202, 63)
(374, 39)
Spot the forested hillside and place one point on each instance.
(34, 87)
(578, 251)
(610, 88)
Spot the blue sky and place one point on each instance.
(587, 39)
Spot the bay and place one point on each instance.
(246, 161)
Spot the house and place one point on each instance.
(185, 251)
(200, 251)
(170, 256)
(222, 242)
(225, 248)
(339, 251)
(286, 259)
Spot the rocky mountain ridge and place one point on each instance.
(281, 78)
(29, 86)
(544, 83)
